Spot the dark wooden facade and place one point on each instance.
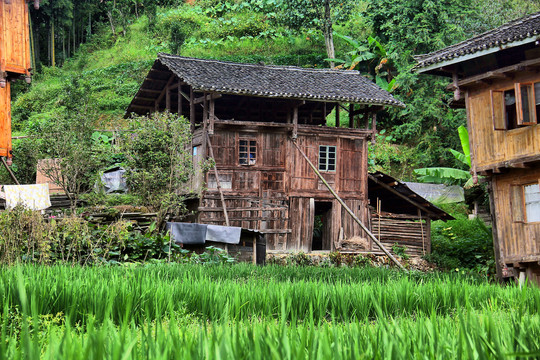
(14, 60)
(496, 75)
(266, 183)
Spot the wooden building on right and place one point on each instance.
(496, 77)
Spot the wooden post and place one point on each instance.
(216, 174)
(351, 115)
(422, 229)
(337, 115)
(9, 171)
(212, 117)
(356, 219)
(374, 128)
(191, 109)
(255, 249)
(180, 99)
(295, 122)
(168, 99)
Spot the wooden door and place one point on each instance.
(5, 121)
(14, 37)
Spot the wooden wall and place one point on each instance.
(5, 120)
(14, 37)
(492, 148)
(518, 241)
(414, 234)
(278, 193)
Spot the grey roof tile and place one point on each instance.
(277, 81)
(527, 27)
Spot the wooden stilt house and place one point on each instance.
(496, 76)
(247, 117)
(14, 60)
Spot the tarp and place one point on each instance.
(185, 233)
(33, 197)
(113, 180)
(198, 234)
(223, 234)
(438, 193)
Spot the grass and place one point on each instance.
(245, 311)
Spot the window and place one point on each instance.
(526, 203)
(516, 107)
(247, 152)
(327, 158)
(225, 180)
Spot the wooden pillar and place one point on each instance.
(374, 128)
(295, 122)
(212, 116)
(191, 109)
(337, 114)
(351, 115)
(168, 99)
(180, 98)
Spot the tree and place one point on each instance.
(320, 14)
(159, 161)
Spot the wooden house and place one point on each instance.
(496, 76)
(14, 60)
(250, 118)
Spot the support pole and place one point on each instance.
(216, 174)
(356, 219)
(9, 171)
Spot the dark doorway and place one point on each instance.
(322, 226)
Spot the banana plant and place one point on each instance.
(451, 176)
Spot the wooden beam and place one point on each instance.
(351, 116)
(367, 110)
(404, 197)
(374, 128)
(191, 109)
(207, 98)
(212, 109)
(216, 174)
(499, 73)
(180, 98)
(356, 219)
(295, 122)
(163, 93)
(168, 99)
(337, 114)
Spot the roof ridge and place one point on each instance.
(473, 40)
(279, 67)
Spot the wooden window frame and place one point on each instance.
(221, 174)
(519, 105)
(249, 160)
(326, 163)
(518, 203)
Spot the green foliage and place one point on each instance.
(400, 251)
(159, 161)
(462, 243)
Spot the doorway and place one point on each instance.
(322, 226)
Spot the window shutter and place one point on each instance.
(517, 203)
(498, 110)
(526, 107)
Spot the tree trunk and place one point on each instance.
(53, 54)
(109, 14)
(327, 30)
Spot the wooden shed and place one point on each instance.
(496, 76)
(250, 118)
(401, 216)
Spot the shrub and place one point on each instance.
(461, 243)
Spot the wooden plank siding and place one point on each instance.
(5, 121)
(277, 194)
(518, 240)
(14, 37)
(499, 148)
(411, 233)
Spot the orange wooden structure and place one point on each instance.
(496, 76)
(15, 60)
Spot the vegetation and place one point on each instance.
(272, 312)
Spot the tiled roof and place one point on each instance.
(523, 29)
(277, 81)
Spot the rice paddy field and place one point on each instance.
(246, 312)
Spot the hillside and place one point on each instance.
(98, 77)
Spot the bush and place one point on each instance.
(462, 243)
